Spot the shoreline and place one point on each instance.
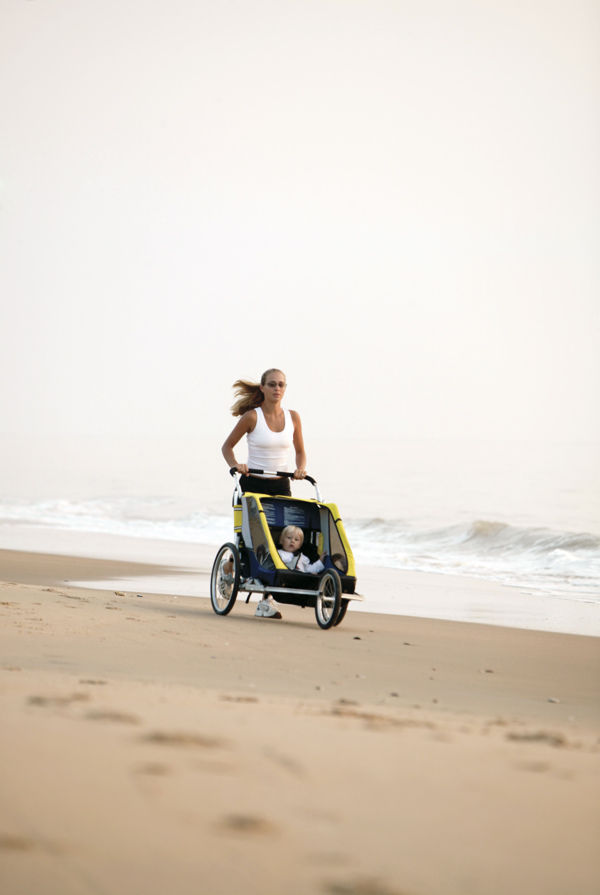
(40, 574)
(388, 755)
(178, 567)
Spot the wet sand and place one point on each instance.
(149, 746)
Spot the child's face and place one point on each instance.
(291, 541)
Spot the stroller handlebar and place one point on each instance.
(287, 475)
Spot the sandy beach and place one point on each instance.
(393, 207)
(149, 746)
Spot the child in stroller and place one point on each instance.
(291, 540)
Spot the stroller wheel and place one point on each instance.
(342, 612)
(329, 599)
(225, 579)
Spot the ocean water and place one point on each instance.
(522, 514)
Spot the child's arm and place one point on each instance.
(314, 567)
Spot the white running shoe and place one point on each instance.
(266, 609)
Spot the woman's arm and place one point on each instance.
(246, 424)
(298, 446)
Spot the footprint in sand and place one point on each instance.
(360, 887)
(537, 767)
(246, 823)
(227, 698)
(112, 716)
(372, 720)
(551, 739)
(58, 701)
(153, 769)
(15, 843)
(188, 740)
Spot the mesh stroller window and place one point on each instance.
(257, 535)
(280, 513)
(338, 554)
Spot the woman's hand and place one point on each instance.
(242, 468)
(300, 474)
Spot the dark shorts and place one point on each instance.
(259, 485)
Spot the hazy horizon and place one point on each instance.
(396, 202)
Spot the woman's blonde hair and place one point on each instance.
(248, 394)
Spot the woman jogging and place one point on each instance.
(270, 430)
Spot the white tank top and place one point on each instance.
(268, 449)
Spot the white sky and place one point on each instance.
(396, 202)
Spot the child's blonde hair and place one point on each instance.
(289, 529)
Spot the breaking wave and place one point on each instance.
(563, 563)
